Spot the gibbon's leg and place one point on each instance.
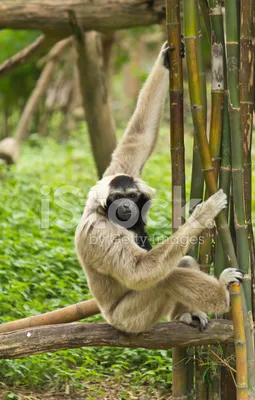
(184, 313)
(188, 262)
(141, 134)
(139, 311)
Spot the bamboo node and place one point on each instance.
(237, 169)
(247, 102)
(227, 169)
(217, 10)
(207, 169)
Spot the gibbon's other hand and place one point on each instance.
(231, 275)
(165, 50)
(211, 207)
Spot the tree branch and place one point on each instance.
(100, 15)
(55, 51)
(52, 338)
(26, 54)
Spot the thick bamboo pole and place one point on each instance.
(204, 11)
(232, 44)
(224, 182)
(219, 135)
(67, 314)
(201, 383)
(246, 82)
(217, 101)
(179, 369)
(240, 343)
(242, 244)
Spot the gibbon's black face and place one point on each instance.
(125, 201)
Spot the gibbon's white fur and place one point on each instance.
(135, 287)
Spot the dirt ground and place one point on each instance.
(107, 390)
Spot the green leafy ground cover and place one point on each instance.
(39, 271)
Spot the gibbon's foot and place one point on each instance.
(197, 319)
(182, 49)
(231, 275)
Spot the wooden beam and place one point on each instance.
(52, 338)
(100, 15)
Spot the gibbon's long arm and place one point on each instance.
(136, 268)
(141, 134)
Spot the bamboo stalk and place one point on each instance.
(179, 355)
(205, 246)
(242, 243)
(202, 387)
(224, 182)
(67, 314)
(240, 343)
(201, 383)
(246, 82)
(232, 44)
(204, 11)
(217, 101)
(176, 111)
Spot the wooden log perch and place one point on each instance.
(52, 338)
(100, 15)
(37, 47)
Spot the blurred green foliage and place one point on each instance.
(16, 87)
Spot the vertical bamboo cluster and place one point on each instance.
(199, 124)
(210, 166)
(179, 355)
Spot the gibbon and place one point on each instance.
(136, 285)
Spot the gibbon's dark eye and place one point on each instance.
(133, 196)
(117, 197)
